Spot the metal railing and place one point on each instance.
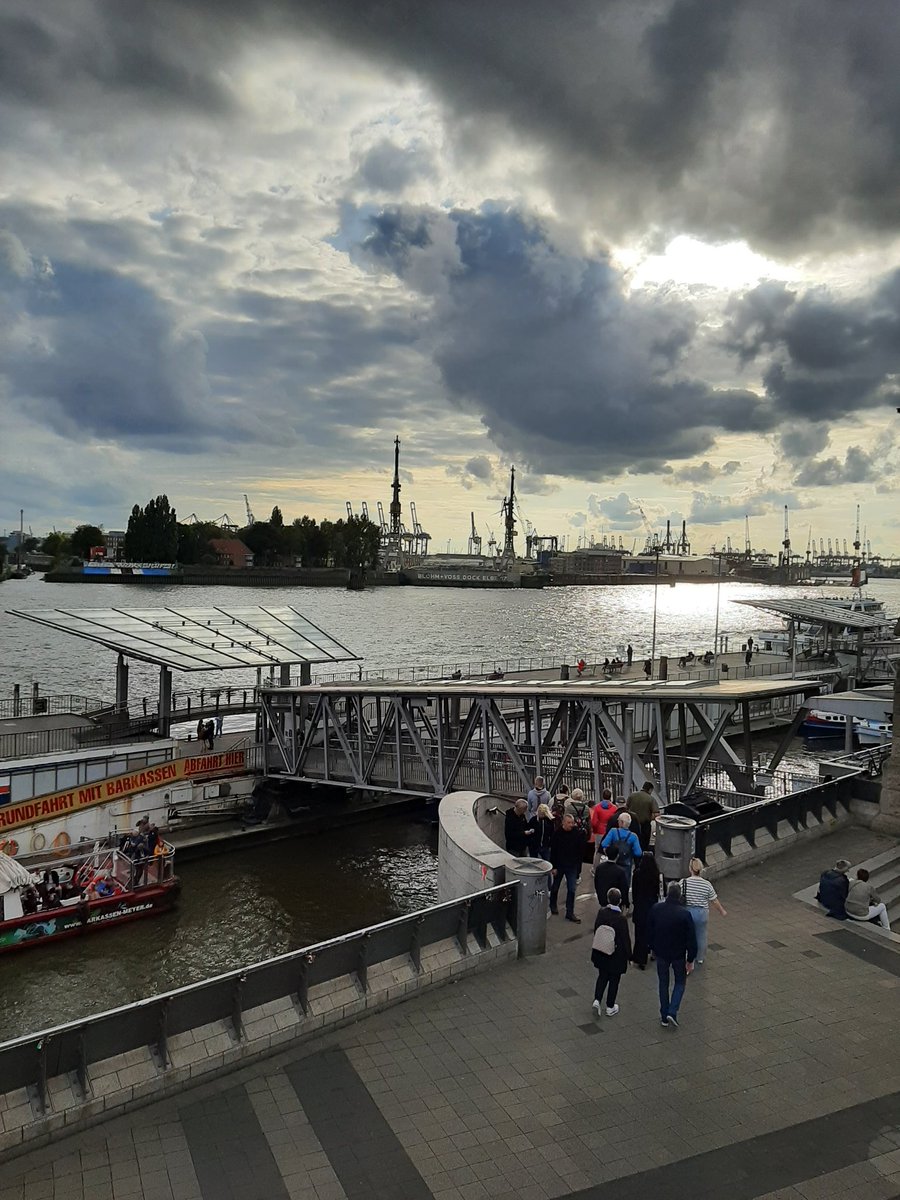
(768, 814)
(33, 743)
(37, 706)
(32, 1060)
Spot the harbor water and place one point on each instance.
(242, 907)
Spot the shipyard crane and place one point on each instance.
(748, 549)
(251, 520)
(420, 536)
(652, 542)
(846, 551)
(830, 550)
(822, 547)
(809, 544)
(349, 511)
(474, 538)
(857, 545)
(786, 541)
(365, 511)
(381, 521)
(192, 519)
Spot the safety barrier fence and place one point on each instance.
(30, 1061)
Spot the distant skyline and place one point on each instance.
(647, 251)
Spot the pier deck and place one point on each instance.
(781, 1083)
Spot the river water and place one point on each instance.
(240, 908)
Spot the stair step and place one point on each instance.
(886, 859)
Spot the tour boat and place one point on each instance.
(90, 888)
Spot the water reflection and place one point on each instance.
(235, 909)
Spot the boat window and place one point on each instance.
(45, 781)
(66, 777)
(94, 771)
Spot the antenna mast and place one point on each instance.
(395, 492)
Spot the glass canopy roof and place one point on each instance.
(200, 639)
(821, 611)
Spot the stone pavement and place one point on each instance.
(783, 1083)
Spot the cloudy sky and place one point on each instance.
(647, 251)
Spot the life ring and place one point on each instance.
(10, 847)
(61, 844)
(38, 841)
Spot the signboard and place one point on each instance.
(116, 787)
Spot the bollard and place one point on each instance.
(675, 840)
(564, 671)
(533, 876)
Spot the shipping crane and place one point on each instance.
(365, 511)
(857, 545)
(809, 545)
(474, 539)
(509, 518)
(420, 537)
(786, 542)
(381, 521)
(748, 549)
(251, 520)
(349, 511)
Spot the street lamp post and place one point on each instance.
(655, 597)
(718, 598)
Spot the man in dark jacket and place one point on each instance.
(518, 833)
(611, 967)
(833, 888)
(608, 874)
(673, 939)
(566, 856)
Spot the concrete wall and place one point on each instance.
(470, 840)
(138, 1077)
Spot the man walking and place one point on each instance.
(608, 874)
(567, 857)
(644, 810)
(610, 952)
(517, 829)
(673, 939)
(537, 796)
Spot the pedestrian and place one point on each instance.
(517, 830)
(209, 731)
(644, 810)
(863, 902)
(566, 857)
(748, 657)
(603, 815)
(577, 807)
(628, 845)
(537, 795)
(220, 722)
(648, 667)
(698, 893)
(750, 642)
(544, 828)
(673, 941)
(610, 952)
(833, 888)
(629, 653)
(201, 731)
(644, 894)
(608, 874)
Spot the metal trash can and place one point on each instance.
(533, 902)
(675, 841)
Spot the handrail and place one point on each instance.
(120, 1029)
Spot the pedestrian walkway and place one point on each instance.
(781, 1084)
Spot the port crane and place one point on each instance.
(786, 543)
(251, 520)
(474, 538)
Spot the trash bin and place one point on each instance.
(675, 840)
(533, 901)
(564, 671)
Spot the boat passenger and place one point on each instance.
(54, 897)
(29, 901)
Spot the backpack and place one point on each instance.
(604, 939)
(579, 808)
(623, 845)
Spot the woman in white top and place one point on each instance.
(698, 893)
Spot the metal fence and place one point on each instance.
(31, 743)
(32, 705)
(29, 1062)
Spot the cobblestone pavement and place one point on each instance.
(783, 1082)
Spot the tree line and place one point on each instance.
(155, 534)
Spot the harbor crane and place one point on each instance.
(474, 538)
(420, 537)
(381, 521)
(748, 549)
(786, 542)
(251, 520)
(857, 545)
(365, 511)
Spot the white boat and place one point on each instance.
(871, 710)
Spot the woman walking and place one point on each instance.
(698, 893)
(544, 827)
(644, 894)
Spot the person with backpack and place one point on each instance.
(567, 858)
(610, 952)
(627, 844)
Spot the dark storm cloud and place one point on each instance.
(859, 466)
(827, 357)
(756, 118)
(705, 472)
(565, 369)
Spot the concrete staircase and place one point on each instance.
(884, 876)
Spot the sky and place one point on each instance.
(647, 251)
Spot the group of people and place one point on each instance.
(617, 840)
(208, 731)
(857, 899)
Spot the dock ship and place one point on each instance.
(469, 570)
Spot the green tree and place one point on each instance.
(152, 533)
(84, 537)
(59, 545)
(193, 542)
